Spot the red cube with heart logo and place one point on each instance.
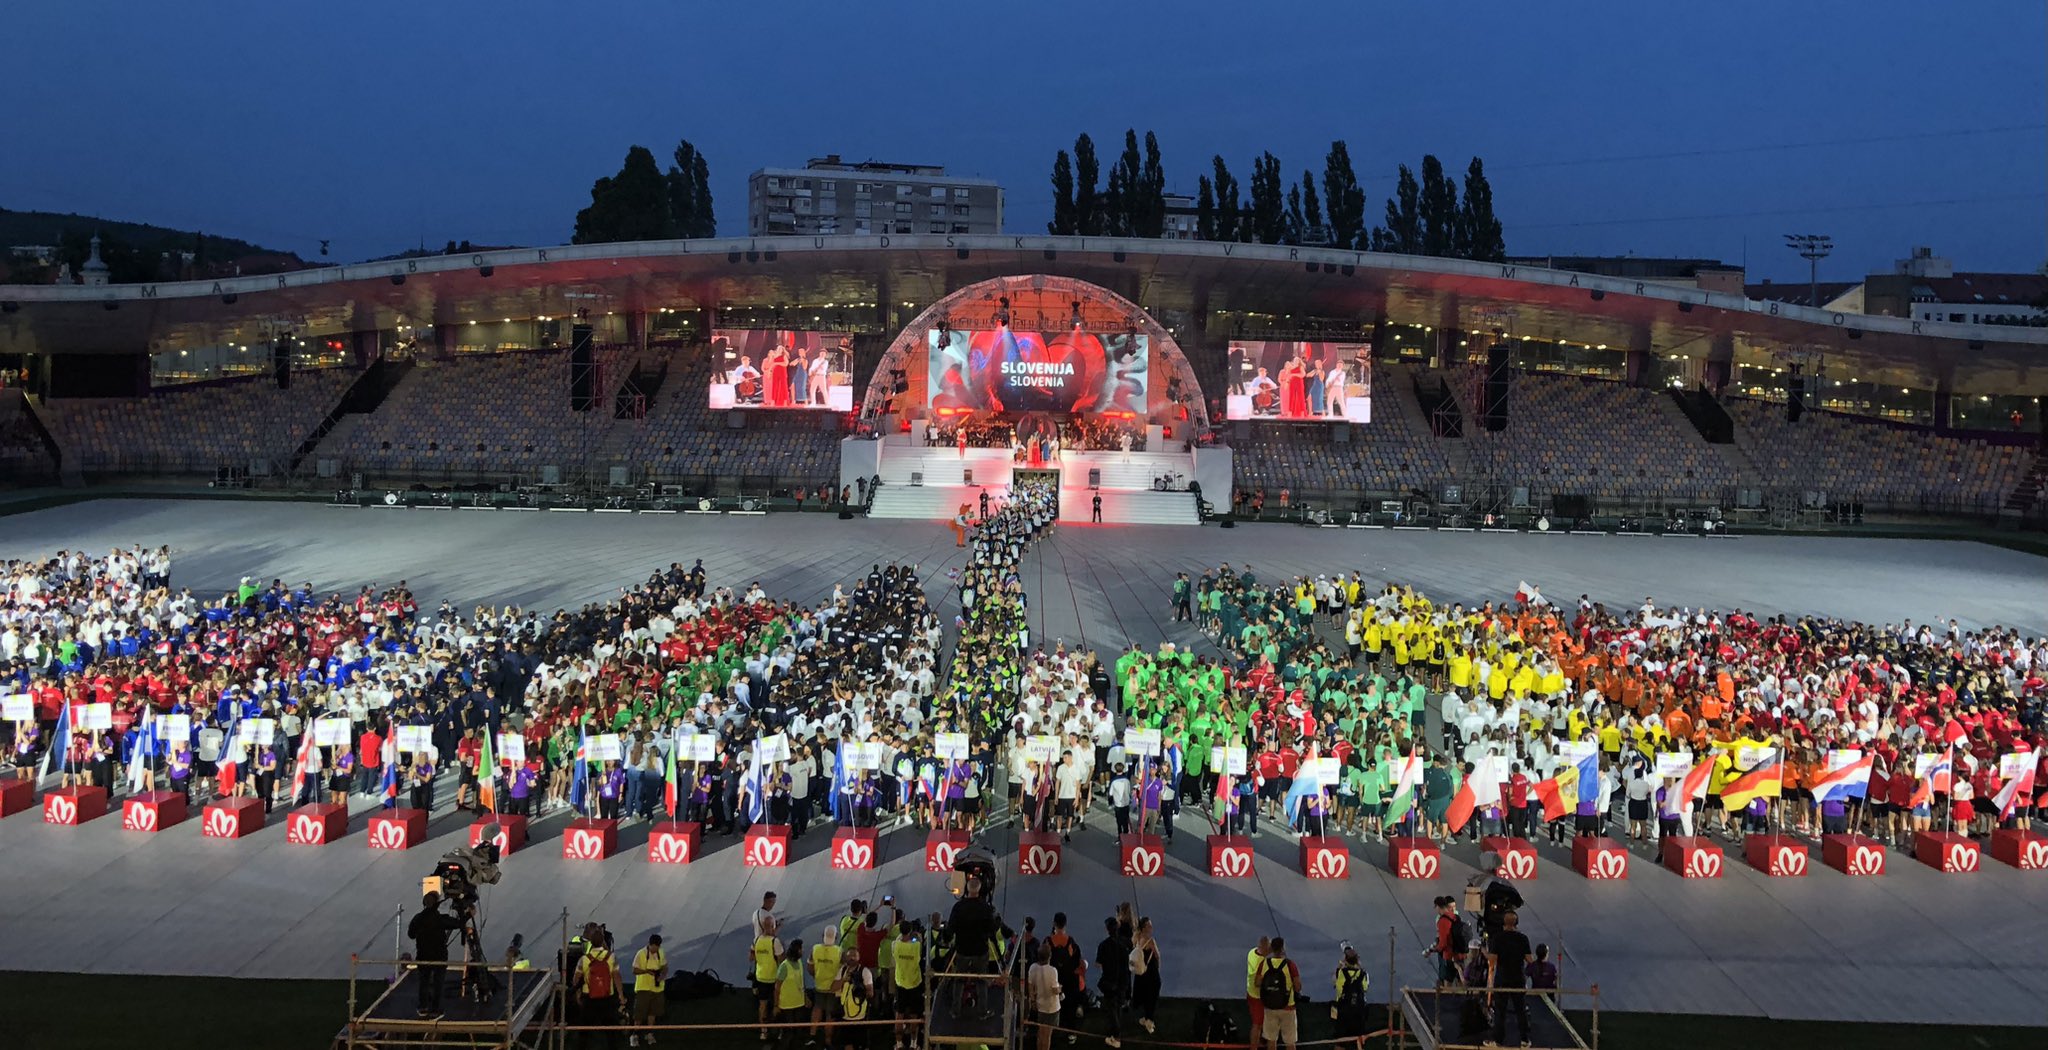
(2023, 849)
(767, 846)
(674, 842)
(1852, 854)
(1690, 856)
(590, 838)
(1517, 856)
(396, 828)
(73, 806)
(1144, 856)
(941, 846)
(316, 825)
(853, 849)
(231, 818)
(1599, 858)
(16, 795)
(152, 810)
(1039, 853)
(1947, 852)
(1325, 857)
(1776, 855)
(510, 834)
(1411, 857)
(1231, 857)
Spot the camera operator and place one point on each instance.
(1496, 896)
(429, 930)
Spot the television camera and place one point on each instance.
(456, 877)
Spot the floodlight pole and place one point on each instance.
(1813, 247)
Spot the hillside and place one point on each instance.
(133, 251)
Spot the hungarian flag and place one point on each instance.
(670, 799)
(1407, 784)
(2016, 791)
(1480, 789)
(1765, 779)
(487, 776)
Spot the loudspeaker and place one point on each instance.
(967, 475)
(582, 370)
(1795, 399)
(1498, 377)
(1573, 506)
(1340, 434)
(1094, 477)
(281, 365)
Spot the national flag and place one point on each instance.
(579, 778)
(838, 802)
(228, 769)
(390, 787)
(1765, 779)
(2015, 792)
(669, 798)
(1844, 783)
(141, 758)
(1529, 595)
(60, 741)
(307, 750)
(750, 786)
(1480, 790)
(1407, 784)
(487, 775)
(1694, 787)
(1559, 794)
(1306, 782)
(1940, 776)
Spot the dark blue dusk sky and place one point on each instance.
(380, 125)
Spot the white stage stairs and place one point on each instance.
(1128, 495)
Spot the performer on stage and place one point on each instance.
(746, 382)
(777, 368)
(1264, 392)
(1316, 391)
(1293, 390)
(820, 370)
(800, 378)
(1334, 387)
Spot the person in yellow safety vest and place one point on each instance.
(908, 954)
(650, 983)
(825, 959)
(791, 1006)
(765, 954)
(856, 1000)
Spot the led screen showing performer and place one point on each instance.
(1300, 381)
(768, 368)
(1004, 370)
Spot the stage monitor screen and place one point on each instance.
(784, 370)
(1002, 370)
(1299, 382)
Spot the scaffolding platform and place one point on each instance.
(1436, 1019)
(508, 1020)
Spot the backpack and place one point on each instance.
(1276, 988)
(696, 984)
(1137, 962)
(1461, 936)
(598, 975)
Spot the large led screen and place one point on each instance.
(1004, 370)
(1308, 382)
(768, 368)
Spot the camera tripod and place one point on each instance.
(479, 984)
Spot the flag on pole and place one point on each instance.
(487, 774)
(227, 770)
(669, 798)
(1765, 779)
(842, 777)
(1844, 783)
(1480, 790)
(60, 742)
(390, 786)
(2016, 791)
(1407, 784)
(307, 750)
(139, 779)
(579, 778)
(1529, 595)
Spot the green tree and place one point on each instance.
(1151, 218)
(1062, 223)
(1087, 205)
(1205, 209)
(1230, 225)
(630, 206)
(1268, 201)
(1131, 205)
(1312, 229)
(1297, 226)
(1439, 209)
(1402, 232)
(1343, 197)
(1479, 227)
(705, 222)
(688, 185)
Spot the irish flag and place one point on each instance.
(1764, 779)
(1480, 789)
(1407, 784)
(487, 776)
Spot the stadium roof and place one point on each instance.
(1160, 275)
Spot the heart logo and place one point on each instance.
(1608, 864)
(1789, 861)
(138, 817)
(585, 844)
(1333, 864)
(1962, 856)
(1039, 860)
(941, 858)
(307, 831)
(1517, 866)
(1868, 860)
(670, 849)
(855, 854)
(2035, 856)
(1143, 862)
(766, 853)
(1233, 863)
(387, 834)
(220, 824)
(61, 809)
(1702, 865)
(1416, 865)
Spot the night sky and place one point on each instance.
(1607, 128)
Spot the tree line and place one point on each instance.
(1425, 217)
(643, 203)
